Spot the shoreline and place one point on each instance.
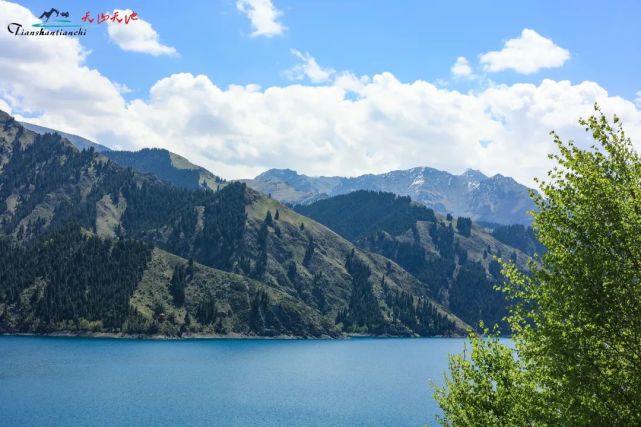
(186, 337)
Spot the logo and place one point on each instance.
(57, 23)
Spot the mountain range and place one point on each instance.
(146, 243)
(90, 246)
(495, 199)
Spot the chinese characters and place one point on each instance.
(113, 17)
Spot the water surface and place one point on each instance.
(83, 381)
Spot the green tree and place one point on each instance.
(309, 252)
(464, 226)
(576, 319)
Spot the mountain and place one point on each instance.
(90, 246)
(454, 257)
(519, 236)
(78, 141)
(496, 199)
(84, 283)
(162, 163)
(167, 166)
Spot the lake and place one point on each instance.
(84, 381)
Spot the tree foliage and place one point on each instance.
(180, 278)
(70, 277)
(464, 226)
(576, 319)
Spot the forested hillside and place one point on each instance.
(238, 261)
(454, 257)
(520, 237)
(167, 166)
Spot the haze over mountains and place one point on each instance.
(495, 199)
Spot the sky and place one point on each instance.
(330, 87)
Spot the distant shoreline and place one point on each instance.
(116, 335)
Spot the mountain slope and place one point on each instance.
(78, 141)
(86, 284)
(304, 279)
(454, 257)
(495, 199)
(167, 166)
(164, 164)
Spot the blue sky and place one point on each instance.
(411, 41)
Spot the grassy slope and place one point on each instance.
(279, 190)
(231, 295)
(211, 180)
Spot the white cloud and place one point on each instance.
(638, 99)
(263, 16)
(389, 124)
(122, 88)
(349, 82)
(47, 77)
(461, 68)
(526, 54)
(347, 126)
(138, 36)
(308, 68)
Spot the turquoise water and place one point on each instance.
(76, 381)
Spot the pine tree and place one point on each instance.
(309, 252)
(464, 226)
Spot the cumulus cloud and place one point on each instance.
(526, 54)
(461, 68)
(308, 67)
(47, 78)
(138, 36)
(346, 126)
(389, 124)
(638, 99)
(263, 16)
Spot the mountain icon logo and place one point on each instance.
(53, 18)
